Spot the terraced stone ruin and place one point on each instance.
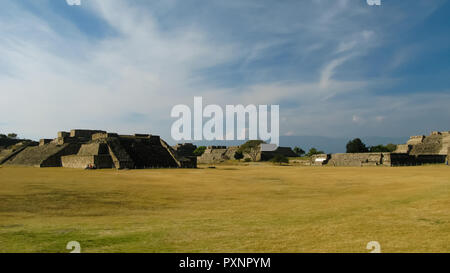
(218, 154)
(82, 148)
(432, 149)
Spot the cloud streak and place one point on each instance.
(311, 58)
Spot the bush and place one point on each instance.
(199, 151)
(383, 149)
(247, 160)
(356, 146)
(251, 148)
(280, 159)
(299, 151)
(238, 155)
(314, 151)
(391, 147)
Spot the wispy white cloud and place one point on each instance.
(55, 79)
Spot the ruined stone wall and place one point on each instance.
(185, 149)
(145, 153)
(430, 145)
(44, 141)
(10, 152)
(301, 162)
(54, 159)
(356, 159)
(435, 144)
(82, 161)
(403, 149)
(384, 159)
(399, 159)
(105, 150)
(430, 159)
(415, 140)
(93, 149)
(99, 136)
(213, 154)
(320, 159)
(44, 156)
(63, 134)
(84, 133)
(120, 157)
(231, 151)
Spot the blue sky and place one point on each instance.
(336, 67)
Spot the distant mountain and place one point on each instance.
(326, 144)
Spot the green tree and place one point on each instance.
(299, 151)
(252, 148)
(200, 150)
(238, 155)
(391, 147)
(12, 135)
(356, 146)
(378, 149)
(314, 151)
(280, 159)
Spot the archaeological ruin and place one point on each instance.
(83, 148)
(218, 154)
(418, 150)
(98, 149)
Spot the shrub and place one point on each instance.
(199, 151)
(383, 149)
(238, 155)
(299, 151)
(314, 151)
(280, 159)
(251, 148)
(356, 146)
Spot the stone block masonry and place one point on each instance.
(432, 149)
(81, 148)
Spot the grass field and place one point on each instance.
(237, 208)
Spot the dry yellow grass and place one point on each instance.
(256, 208)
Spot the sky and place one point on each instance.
(336, 67)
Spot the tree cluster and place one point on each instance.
(357, 146)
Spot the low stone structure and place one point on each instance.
(98, 148)
(448, 157)
(48, 155)
(185, 149)
(218, 154)
(320, 159)
(301, 162)
(94, 154)
(44, 141)
(435, 144)
(418, 150)
(10, 151)
(284, 151)
(214, 154)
